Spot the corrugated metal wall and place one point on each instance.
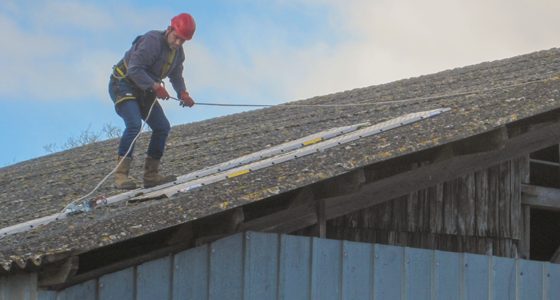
(270, 266)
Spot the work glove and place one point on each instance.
(186, 99)
(161, 93)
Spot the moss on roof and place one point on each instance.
(43, 186)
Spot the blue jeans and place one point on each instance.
(135, 109)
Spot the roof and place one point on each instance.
(488, 95)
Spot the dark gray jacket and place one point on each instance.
(145, 60)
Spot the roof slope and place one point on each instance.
(43, 186)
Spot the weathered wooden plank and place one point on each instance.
(414, 180)
(391, 237)
(541, 197)
(399, 213)
(505, 199)
(484, 246)
(442, 242)
(493, 202)
(411, 211)
(366, 218)
(515, 207)
(508, 245)
(368, 236)
(466, 216)
(402, 238)
(450, 206)
(525, 240)
(383, 215)
(481, 202)
(404, 183)
(436, 208)
(525, 169)
(423, 207)
(472, 244)
(352, 219)
(381, 236)
(423, 211)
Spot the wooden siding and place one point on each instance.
(476, 213)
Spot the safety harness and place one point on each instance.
(120, 71)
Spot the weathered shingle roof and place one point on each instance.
(43, 186)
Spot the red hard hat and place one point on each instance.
(184, 25)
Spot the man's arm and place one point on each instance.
(143, 55)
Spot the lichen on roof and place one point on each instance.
(43, 186)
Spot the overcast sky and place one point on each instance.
(56, 56)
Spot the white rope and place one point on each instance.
(374, 103)
(118, 165)
(301, 105)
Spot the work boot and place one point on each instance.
(151, 174)
(121, 174)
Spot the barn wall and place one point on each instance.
(476, 213)
(270, 266)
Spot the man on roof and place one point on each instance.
(135, 86)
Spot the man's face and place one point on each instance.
(174, 40)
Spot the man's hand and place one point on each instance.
(161, 93)
(186, 99)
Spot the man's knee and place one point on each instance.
(163, 127)
(133, 126)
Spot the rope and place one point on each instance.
(374, 103)
(118, 165)
(300, 105)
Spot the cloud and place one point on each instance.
(390, 40)
(252, 57)
(61, 50)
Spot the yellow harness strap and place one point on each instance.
(167, 64)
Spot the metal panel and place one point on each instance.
(46, 295)
(261, 266)
(117, 286)
(21, 286)
(447, 275)
(504, 283)
(388, 272)
(553, 281)
(84, 291)
(295, 268)
(326, 269)
(357, 270)
(301, 268)
(189, 181)
(531, 279)
(226, 268)
(279, 149)
(418, 261)
(476, 276)
(153, 279)
(172, 189)
(190, 279)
